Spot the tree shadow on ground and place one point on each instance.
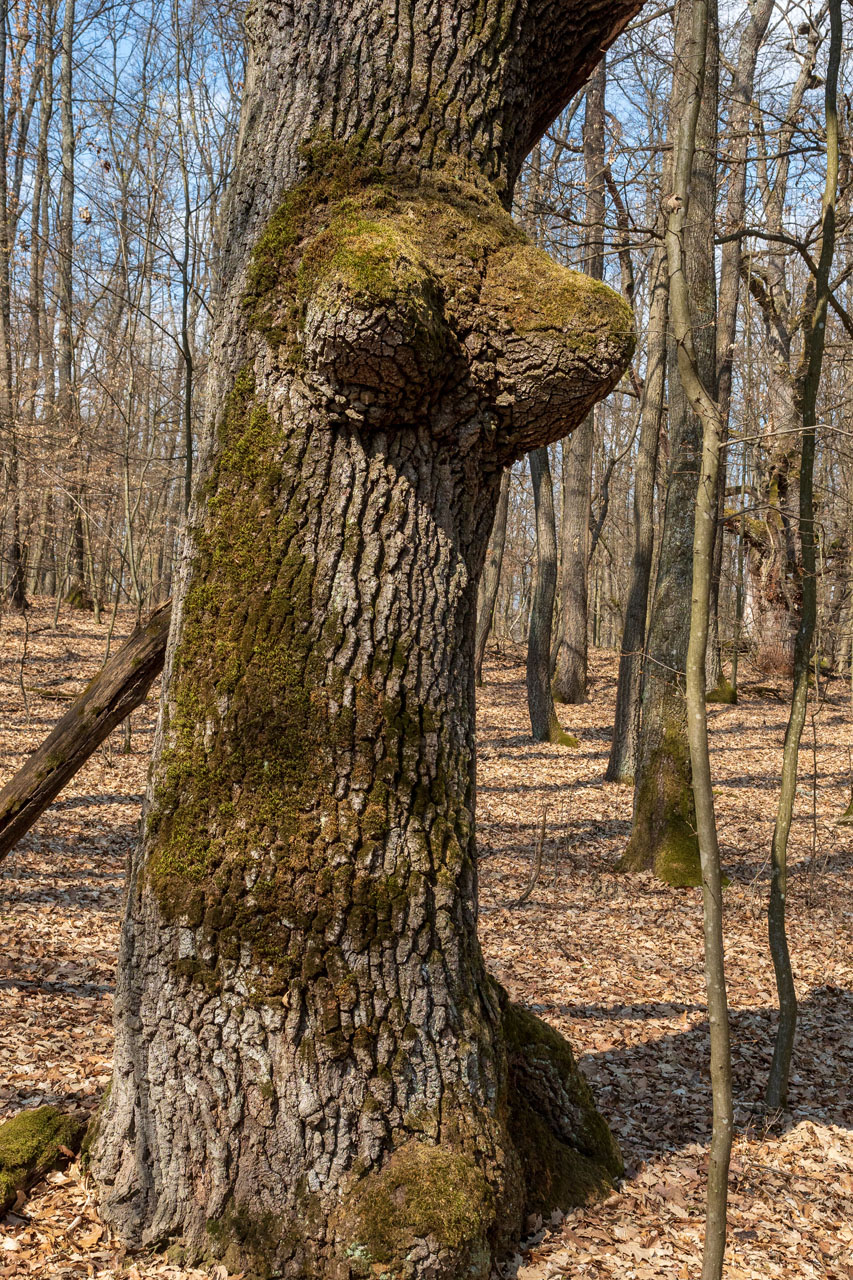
(656, 1094)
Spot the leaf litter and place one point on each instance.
(614, 962)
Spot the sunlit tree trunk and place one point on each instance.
(664, 829)
(626, 725)
(570, 668)
(701, 40)
(544, 724)
(812, 364)
(313, 1071)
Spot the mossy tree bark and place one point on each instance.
(313, 1072)
(664, 828)
(31, 1144)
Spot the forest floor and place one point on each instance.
(614, 962)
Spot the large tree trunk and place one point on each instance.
(313, 1071)
(570, 668)
(664, 828)
(491, 579)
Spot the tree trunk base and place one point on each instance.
(663, 837)
(449, 1202)
(674, 856)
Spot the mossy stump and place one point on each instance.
(724, 692)
(31, 1144)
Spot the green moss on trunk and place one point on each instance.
(426, 1199)
(664, 837)
(545, 1082)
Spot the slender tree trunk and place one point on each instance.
(15, 581)
(313, 1072)
(544, 724)
(727, 311)
(491, 578)
(66, 401)
(570, 668)
(626, 727)
(739, 585)
(664, 828)
(815, 331)
(702, 39)
(715, 683)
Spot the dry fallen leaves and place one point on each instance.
(615, 963)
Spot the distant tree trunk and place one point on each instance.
(626, 726)
(773, 570)
(66, 401)
(715, 683)
(698, 59)
(491, 578)
(570, 668)
(313, 1072)
(15, 580)
(544, 724)
(731, 255)
(812, 364)
(664, 829)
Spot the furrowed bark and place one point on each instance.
(812, 360)
(314, 1074)
(109, 698)
(707, 410)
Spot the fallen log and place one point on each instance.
(119, 687)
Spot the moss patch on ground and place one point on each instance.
(31, 1144)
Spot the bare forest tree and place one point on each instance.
(302, 908)
(323, 368)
